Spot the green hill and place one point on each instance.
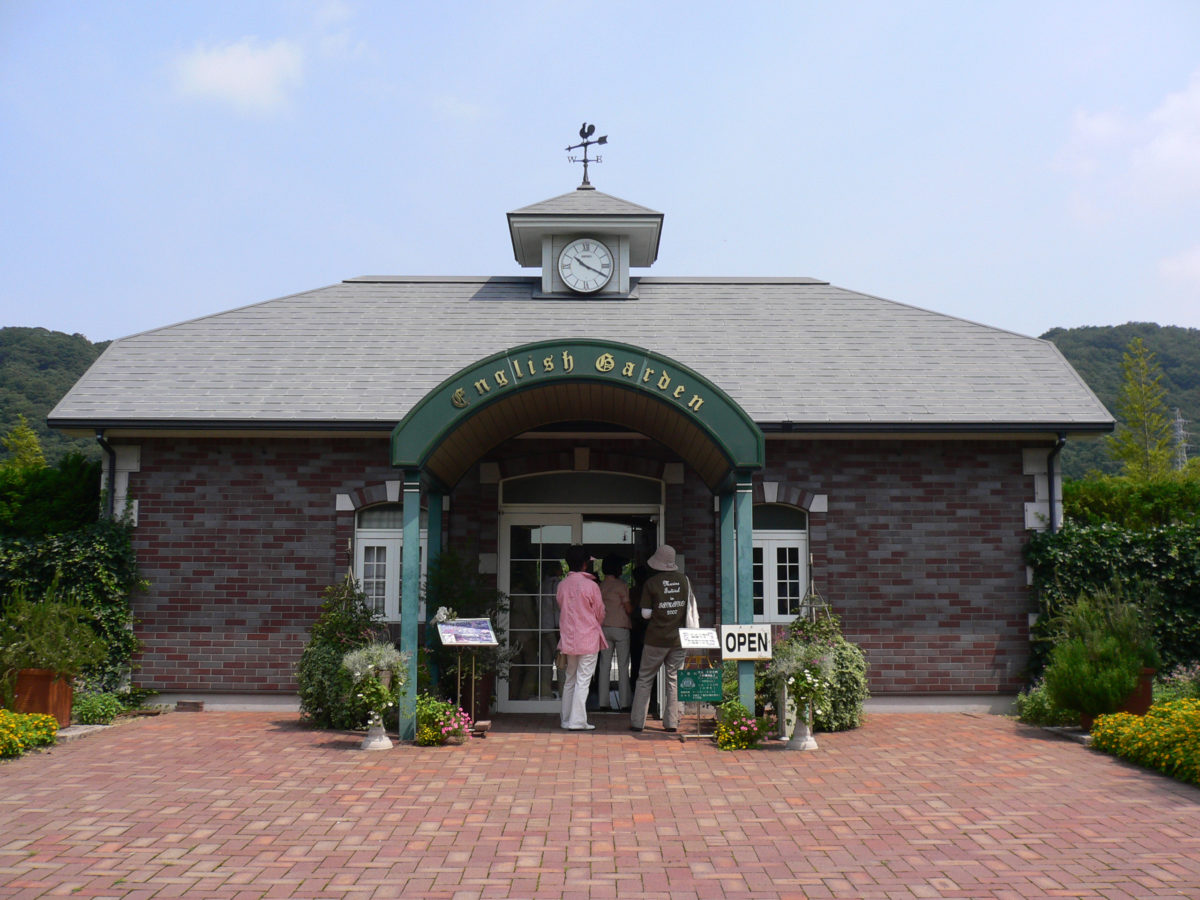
(37, 367)
(1096, 353)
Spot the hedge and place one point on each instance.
(1128, 503)
(98, 566)
(1164, 563)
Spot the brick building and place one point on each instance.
(779, 432)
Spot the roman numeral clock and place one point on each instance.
(585, 265)
(585, 241)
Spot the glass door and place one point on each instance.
(532, 546)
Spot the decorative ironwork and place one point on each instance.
(586, 132)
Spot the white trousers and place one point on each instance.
(576, 680)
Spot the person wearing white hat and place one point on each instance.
(664, 605)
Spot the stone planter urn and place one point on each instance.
(377, 738)
(794, 727)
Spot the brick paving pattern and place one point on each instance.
(250, 805)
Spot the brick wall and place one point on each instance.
(919, 552)
(920, 555)
(237, 539)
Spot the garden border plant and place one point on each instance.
(1166, 739)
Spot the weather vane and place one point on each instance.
(586, 133)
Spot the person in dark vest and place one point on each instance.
(664, 603)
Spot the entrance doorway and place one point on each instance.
(532, 545)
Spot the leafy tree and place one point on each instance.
(1096, 351)
(24, 448)
(1143, 441)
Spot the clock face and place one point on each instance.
(585, 265)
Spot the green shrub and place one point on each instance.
(1092, 678)
(327, 695)
(1167, 738)
(48, 500)
(20, 732)
(96, 709)
(1102, 643)
(848, 689)
(1034, 707)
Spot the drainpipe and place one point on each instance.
(110, 500)
(1050, 460)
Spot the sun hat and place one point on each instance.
(663, 559)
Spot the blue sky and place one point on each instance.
(1024, 165)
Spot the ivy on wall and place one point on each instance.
(97, 565)
(1158, 567)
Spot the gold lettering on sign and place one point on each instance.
(563, 361)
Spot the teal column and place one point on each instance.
(744, 526)
(410, 588)
(728, 560)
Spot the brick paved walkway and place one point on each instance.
(248, 805)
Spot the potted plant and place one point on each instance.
(378, 670)
(455, 584)
(738, 728)
(1104, 653)
(44, 644)
(798, 678)
(440, 722)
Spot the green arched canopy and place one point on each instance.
(539, 384)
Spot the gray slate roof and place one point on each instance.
(363, 352)
(585, 202)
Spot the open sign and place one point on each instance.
(746, 641)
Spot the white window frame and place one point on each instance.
(392, 540)
(768, 543)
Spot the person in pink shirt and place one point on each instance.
(580, 636)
